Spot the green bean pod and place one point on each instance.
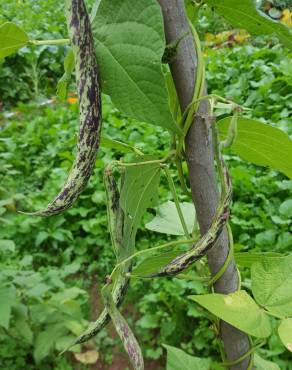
(89, 98)
(209, 239)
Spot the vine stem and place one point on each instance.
(155, 161)
(150, 250)
(200, 161)
(50, 42)
(176, 201)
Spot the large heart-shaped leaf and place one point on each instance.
(167, 220)
(285, 333)
(239, 310)
(260, 143)
(178, 360)
(130, 42)
(245, 15)
(246, 259)
(12, 38)
(271, 284)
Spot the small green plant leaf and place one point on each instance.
(62, 85)
(262, 364)
(239, 310)
(43, 345)
(285, 209)
(24, 330)
(167, 220)
(45, 340)
(7, 245)
(260, 143)
(12, 38)
(248, 17)
(178, 360)
(7, 298)
(271, 284)
(130, 43)
(285, 333)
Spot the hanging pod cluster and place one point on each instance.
(89, 98)
(209, 239)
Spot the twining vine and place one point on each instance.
(121, 228)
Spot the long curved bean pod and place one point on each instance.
(208, 240)
(89, 107)
(121, 283)
(118, 294)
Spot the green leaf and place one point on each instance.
(262, 364)
(271, 284)
(246, 259)
(239, 310)
(167, 220)
(129, 44)
(65, 79)
(286, 209)
(45, 341)
(260, 143)
(7, 298)
(106, 142)
(247, 16)
(139, 192)
(24, 330)
(266, 238)
(178, 360)
(12, 38)
(43, 345)
(7, 245)
(68, 294)
(285, 333)
(154, 263)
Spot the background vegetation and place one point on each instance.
(50, 269)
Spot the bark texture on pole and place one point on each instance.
(200, 160)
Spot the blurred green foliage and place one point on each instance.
(50, 268)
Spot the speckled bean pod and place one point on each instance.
(209, 239)
(89, 107)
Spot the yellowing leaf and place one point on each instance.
(241, 37)
(88, 357)
(209, 37)
(287, 17)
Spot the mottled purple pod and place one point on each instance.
(89, 99)
(124, 331)
(209, 239)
